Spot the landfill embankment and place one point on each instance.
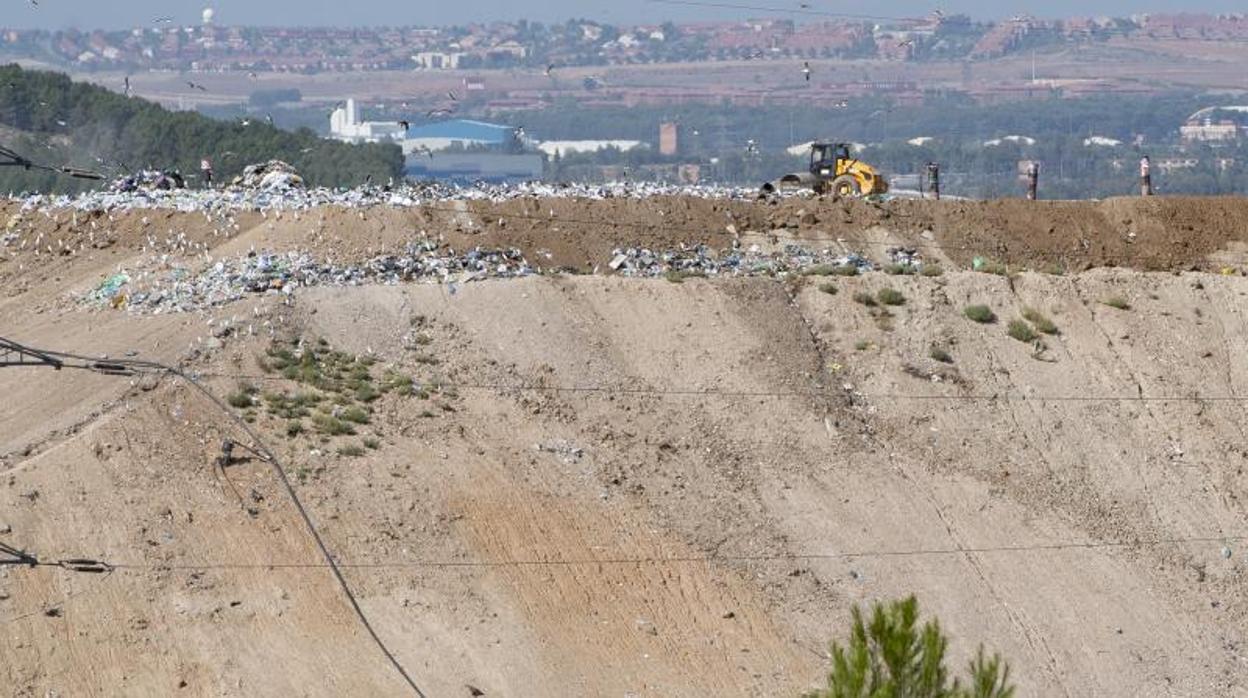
(625, 445)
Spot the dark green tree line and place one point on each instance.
(87, 126)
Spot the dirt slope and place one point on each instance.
(637, 487)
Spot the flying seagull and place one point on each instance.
(451, 94)
(438, 112)
(195, 86)
(405, 125)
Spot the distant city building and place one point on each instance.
(669, 143)
(1209, 131)
(437, 60)
(1215, 125)
(346, 125)
(459, 133)
(1168, 165)
(565, 148)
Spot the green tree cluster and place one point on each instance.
(890, 656)
(61, 122)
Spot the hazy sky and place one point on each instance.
(122, 13)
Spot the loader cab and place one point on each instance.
(826, 158)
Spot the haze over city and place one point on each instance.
(57, 14)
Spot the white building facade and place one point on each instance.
(346, 125)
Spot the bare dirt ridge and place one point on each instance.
(623, 486)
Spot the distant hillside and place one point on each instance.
(58, 122)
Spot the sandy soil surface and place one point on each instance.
(622, 486)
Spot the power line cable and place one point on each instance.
(679, 559)
(9, 158)
(119, 367)
(669, 392)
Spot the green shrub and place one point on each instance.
(240, 400)
(1041, 323)
(863, 345)
(1117, 302)
(932, 270)
(294, 428)
(371, 443)
(865, 298)
(845, 270)
(891, 296)
(332, 426)
(1021, 331)
(993, 267)
(900, 270)
(351, 450)
(365, 392)
(980, 313)
(941, 355)
(829, 289)
(355, 415)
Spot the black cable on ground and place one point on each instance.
(114, 367)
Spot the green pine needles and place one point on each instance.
(890, 656)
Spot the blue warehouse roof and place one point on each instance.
(463, 130)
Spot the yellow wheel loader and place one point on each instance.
(833, 170)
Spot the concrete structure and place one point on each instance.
(346, 125)
(1209, 131)
(669, 143)
(1215, 125)
(475, 167)
(460, 133)
(437, 60)
(564, 148)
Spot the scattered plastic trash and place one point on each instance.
(906, 257)
(176, 289)
(273, 175)
(567, 452)
(272, 186)
(149, 180)
(753, 261)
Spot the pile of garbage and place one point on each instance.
(751, 261)
(273, 175)
(149, 180)
(171, 288)
(276, 186)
